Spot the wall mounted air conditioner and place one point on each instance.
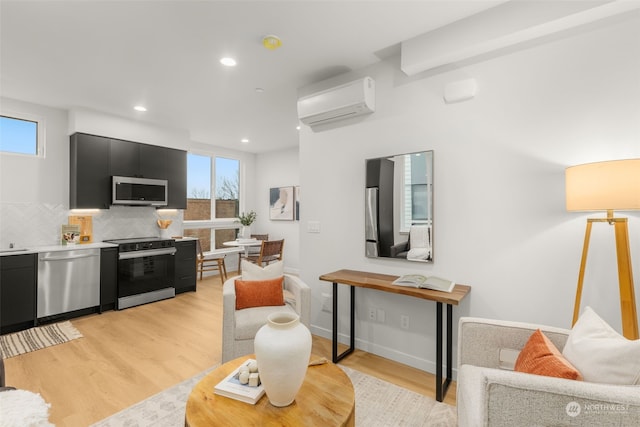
(341, 102)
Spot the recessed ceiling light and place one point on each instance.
(259, 90)
(298, 127)
(245, 140)
(271, 42)
(140, 108)
(229, 62)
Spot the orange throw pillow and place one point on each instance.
(259, 293)
(539, 356)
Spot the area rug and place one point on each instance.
(378, 403)
(37, 338)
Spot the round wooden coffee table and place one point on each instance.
(326, 398)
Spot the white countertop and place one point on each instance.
(54, 248)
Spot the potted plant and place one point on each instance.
(246, 219)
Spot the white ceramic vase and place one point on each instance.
(282, 348)
(245, 232)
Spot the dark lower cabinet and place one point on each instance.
(185, 267)
(18, 290)
(108, 278)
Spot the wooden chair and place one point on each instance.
(252, 250)
(210, 261)
(270, 251)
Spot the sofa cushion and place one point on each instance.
(249, 321)
(600, 353)
(539, 356)
(258, 293)
(251, 271)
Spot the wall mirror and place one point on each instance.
(399, 207)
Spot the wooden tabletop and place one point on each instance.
(326, 398)
(382, 282)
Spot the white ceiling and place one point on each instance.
(109, 56)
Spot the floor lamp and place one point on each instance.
(608, 186)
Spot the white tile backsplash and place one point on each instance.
(38, 224)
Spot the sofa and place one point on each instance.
(490, 393)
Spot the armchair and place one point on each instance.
(490, 393)
(239, 327)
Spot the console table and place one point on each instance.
(382, 282)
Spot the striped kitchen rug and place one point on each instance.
(33, 339)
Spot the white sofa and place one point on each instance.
(490, 393)
(239, 327)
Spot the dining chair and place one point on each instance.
(270, 251)
(210, 261)
(252, 250)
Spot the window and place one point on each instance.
(416, 203)
(19, 136)
(209, 219)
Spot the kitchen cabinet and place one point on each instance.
(95, 159)
(176, 174)
(185, 266)
(18, 282)
(108, 278)
(89, 175)
(139, 160)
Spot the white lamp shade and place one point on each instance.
(612, 185)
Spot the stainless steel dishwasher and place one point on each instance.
(68, 281)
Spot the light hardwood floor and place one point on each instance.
(126, 356)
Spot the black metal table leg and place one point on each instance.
(441, 388)
(352, 339)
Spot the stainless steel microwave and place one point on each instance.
(139, 191)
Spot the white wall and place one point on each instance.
(500, 219)
(278, 169)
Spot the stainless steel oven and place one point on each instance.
(146, 269)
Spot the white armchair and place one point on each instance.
(490, 393)
(239, 327)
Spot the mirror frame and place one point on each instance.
(389, 220)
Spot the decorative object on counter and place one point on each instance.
(70, 234)
(282, 347)
(246, 220)
(164, 225)
(86, 227)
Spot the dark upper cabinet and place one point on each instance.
(177, 176)
(89, 175)
(139, 160)
(124, 158)
(153, 162)
(95, 159)
(18, 284)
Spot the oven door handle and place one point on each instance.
(147, 253)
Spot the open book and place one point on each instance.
(420, 281)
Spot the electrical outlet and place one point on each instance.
(372, 314)
(327, 303)
(380, 315)
(404, 322)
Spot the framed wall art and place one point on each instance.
(281, 203)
